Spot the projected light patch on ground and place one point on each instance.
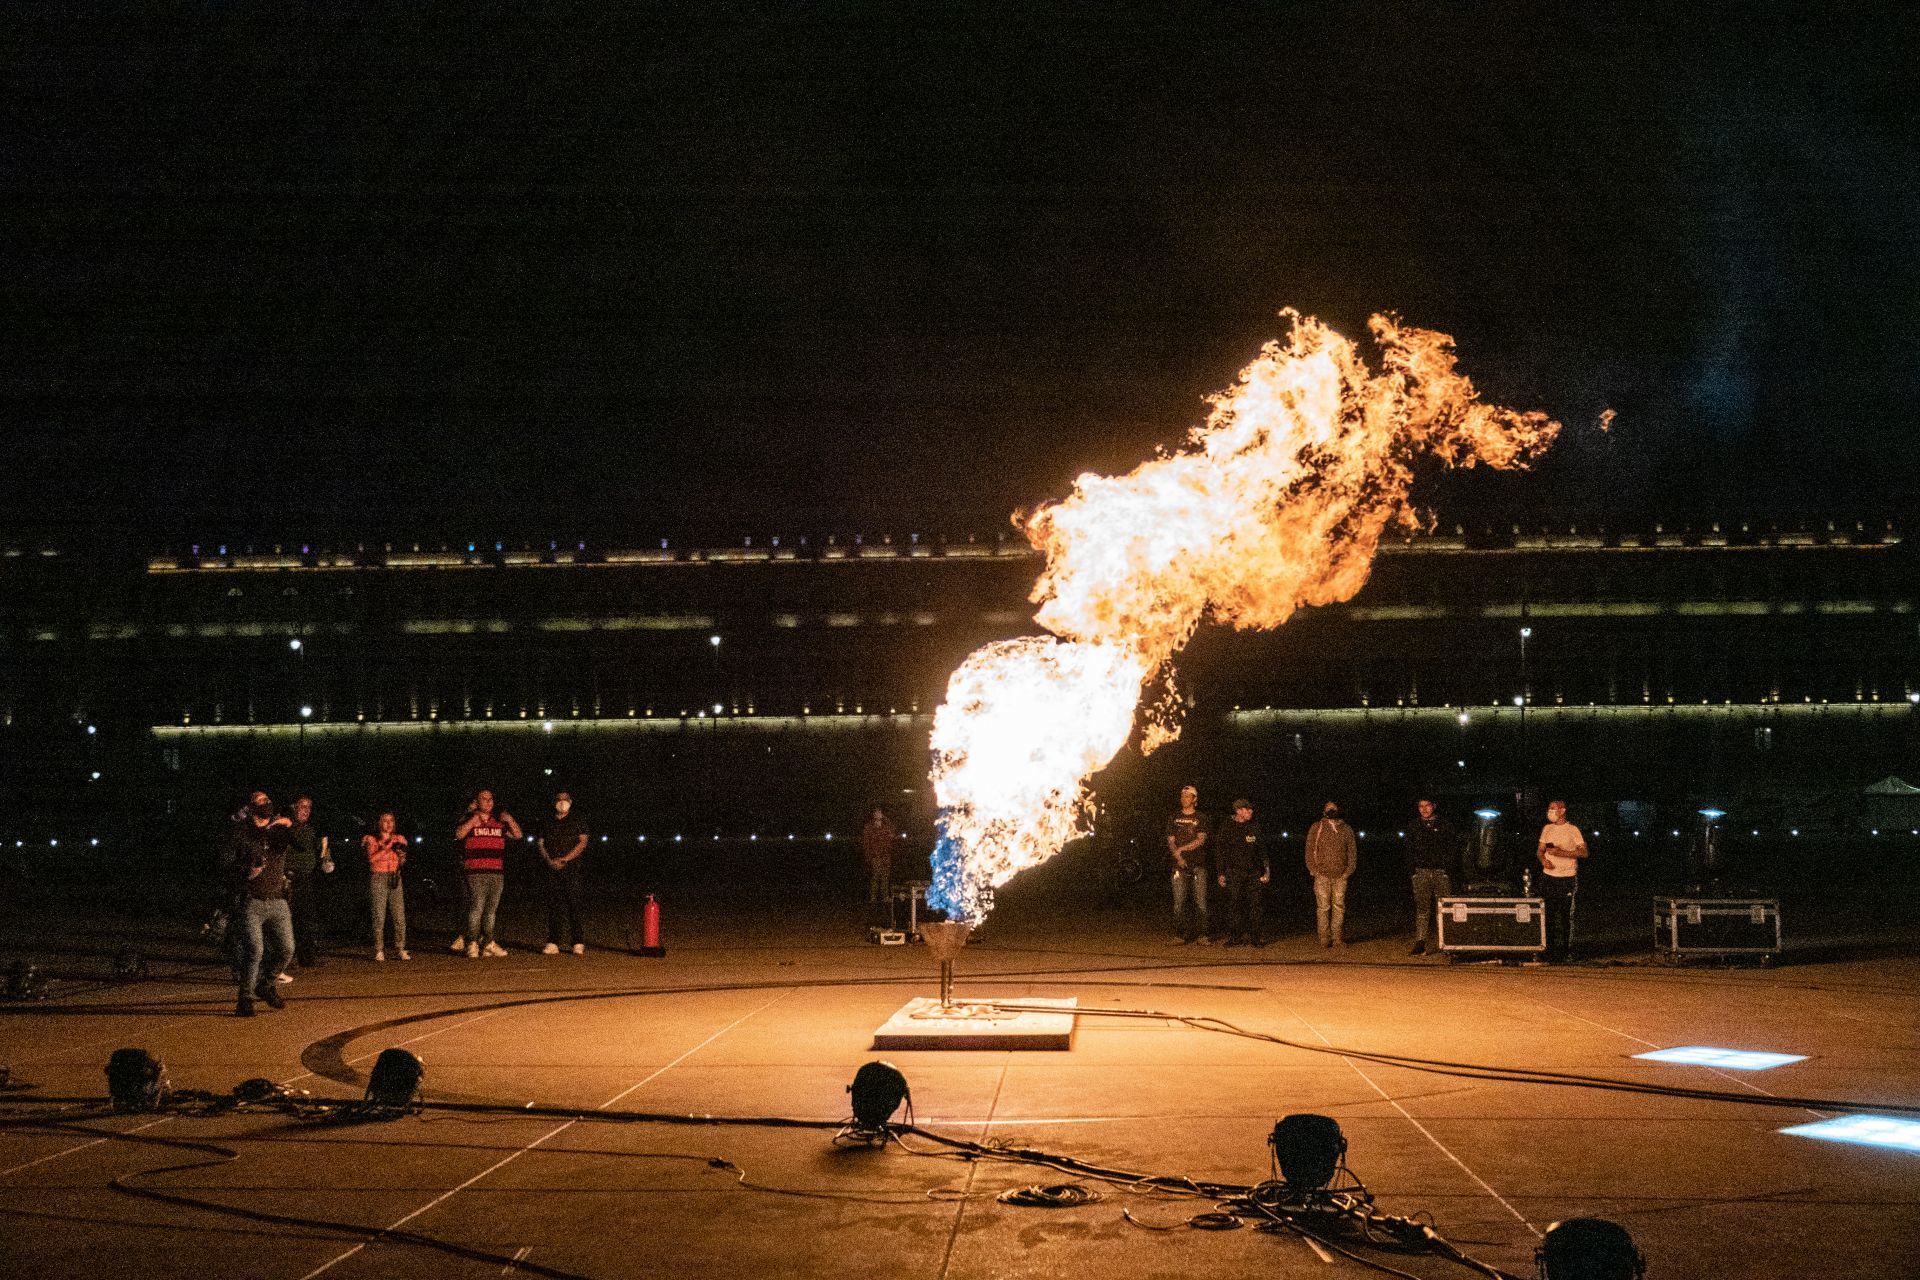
(1702, 1055)
(1868, 1131)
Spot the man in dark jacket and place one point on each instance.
(1433, 851)
(255, 863)
(308, 858)
(1242, 867)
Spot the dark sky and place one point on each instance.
(812, 267)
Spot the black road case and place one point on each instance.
(1716, 927)
(1494, 925)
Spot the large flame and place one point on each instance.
(1278, 501)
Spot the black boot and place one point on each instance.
(243, 1007)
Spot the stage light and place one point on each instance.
(136, 1080)
(1708, 1056)
(395, 1079)
(1588, 1249)
(1871, 1131)
(26, 982)
(878, 1089)
(130, 965)
(1308, 1149)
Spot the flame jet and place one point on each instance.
(1279, 500)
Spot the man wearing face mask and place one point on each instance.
(1331, 859)
(563, 838)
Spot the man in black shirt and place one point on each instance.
(563, 838)
(1433, 851)
(307, 859)
(255, 865)
(1242, 867)
(1187, 842)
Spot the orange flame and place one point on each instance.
(1278, 501)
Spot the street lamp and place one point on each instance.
(1526, 634)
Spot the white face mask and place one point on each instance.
(561, 806)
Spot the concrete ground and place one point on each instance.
(770, 1012)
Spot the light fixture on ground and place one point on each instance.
(878, 1090)
(1307, 1150)
(136, 1080)
(395, 1081)
(1588, 1249)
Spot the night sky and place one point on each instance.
(843, 267)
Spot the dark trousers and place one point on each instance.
(1244, 907)
(308, 936)
(1559, 891)
(564, 892)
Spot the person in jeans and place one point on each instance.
(386, 854)
(256, 867)
(563, 838)
(1433, 851)
(1561, 850)
(1331, 860)
(307, 859)
(1242, 868)
(483, 840)
(1187, 842)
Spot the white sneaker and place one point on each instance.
(405, 956)
(579, 948)
(284, 978)
(551, 949)
(379, 957)
(473, 951)
(494, 949)
(459, 944)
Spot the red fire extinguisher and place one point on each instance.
(650, 929)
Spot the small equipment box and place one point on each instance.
(1716, 927)
(1495, 926)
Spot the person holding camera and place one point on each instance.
(1560, 852)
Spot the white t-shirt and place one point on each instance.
(1563, 835)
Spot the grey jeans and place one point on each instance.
(483, 900)
(389, 894)
(1428, 887)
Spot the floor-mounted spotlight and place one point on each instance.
(130, 965)
(395, 1081)
(26, 982)
(1588, 1249)
(136, 1080)
(1308, 1150)
(878, 1089)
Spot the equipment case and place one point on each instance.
(1515, 925)
(1716, 927)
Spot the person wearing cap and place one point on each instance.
(1332, 858)
(563, 839)
(1242, 868)
(1187, 843)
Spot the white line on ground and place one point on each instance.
(554, 1132)
(1424, 1131)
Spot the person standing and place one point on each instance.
(1433, 850)
(256, 868)
(1332, 858)
(1187, 842)
(308, 858)
(1561, 850)
(483, 840)
(386, 854)
(1243, 870)
(563, 839)
(877, 839)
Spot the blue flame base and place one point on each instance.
(952, 890)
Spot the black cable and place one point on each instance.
(1062, 1195)
(226, 1155)
(1480, 1071)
